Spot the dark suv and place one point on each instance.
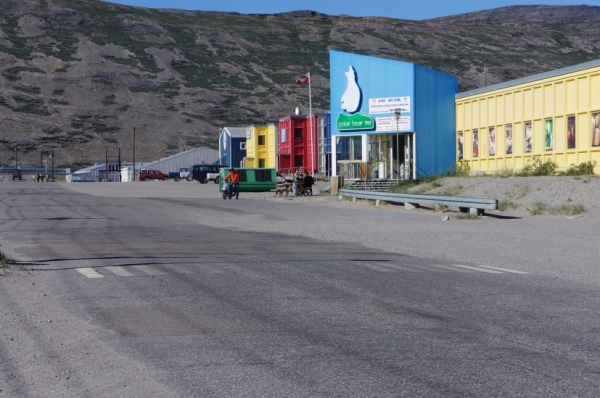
(17, 175)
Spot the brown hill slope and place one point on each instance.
(534, 14)
(77, 76)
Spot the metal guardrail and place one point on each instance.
(463, 203)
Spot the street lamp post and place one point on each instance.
(397, 113)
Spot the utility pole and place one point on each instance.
(133, 172)
(398, 114)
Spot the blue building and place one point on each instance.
(390, 119)
(232, 146)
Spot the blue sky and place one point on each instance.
(419, 9)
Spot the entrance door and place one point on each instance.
(379, 156)
(401, 156)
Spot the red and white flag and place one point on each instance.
(303, 79)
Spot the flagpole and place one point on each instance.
(312, 138)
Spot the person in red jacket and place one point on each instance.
(234, 177)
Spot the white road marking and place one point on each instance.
(90, 273)
(148, 270)
(489, 271)
(399, 268)
(445, 267)
(119, 271)
(504, 269)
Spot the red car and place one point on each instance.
(147, 175)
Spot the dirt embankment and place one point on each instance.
(525, 194)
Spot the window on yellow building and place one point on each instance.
(261, 163)
(261, 140)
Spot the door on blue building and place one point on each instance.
(390, 156)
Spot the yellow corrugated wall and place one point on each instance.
(250, 161)
(254, 152)
(548, 105)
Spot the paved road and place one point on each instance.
(145, 300)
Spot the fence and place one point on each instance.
(464, 204)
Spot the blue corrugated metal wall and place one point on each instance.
(435, 120)
(236, 153)
(376, 78)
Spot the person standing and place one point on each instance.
(234, 177)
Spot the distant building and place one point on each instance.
(184, 159)
(552, 116)
(261, 146)
(232, 146)
(391, 120)
(305, 142)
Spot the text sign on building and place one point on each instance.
(354, 122)
(391, 124)
(389, 105)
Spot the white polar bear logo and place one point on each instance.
(351, 97)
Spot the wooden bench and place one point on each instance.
(284, 190)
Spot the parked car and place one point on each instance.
(182, 174)
(204, 173)
(284, 180)
(147, 175)
(17, 175)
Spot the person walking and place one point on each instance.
(234, 177)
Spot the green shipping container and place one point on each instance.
(253, 180)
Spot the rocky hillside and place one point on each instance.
(77, 76)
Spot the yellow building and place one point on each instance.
(261, 146)
(553, 115)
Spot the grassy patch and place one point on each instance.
(467, 216)
(567, 210)
(109, 100)
(507, 205)
(540, 208)
(28, 89)
(535, 167)
(582, 169)
(12, 74)
(452, 191)
(505, 172)
(402, 186)
(461, 169)
(5, 260)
